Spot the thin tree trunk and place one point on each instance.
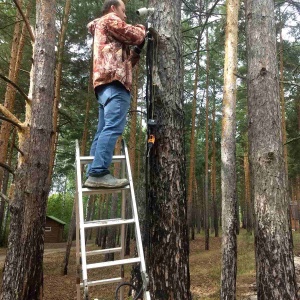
(275, 271)
(169, 261)
(60, 53)
(72, 227)
(228, 156)
(207, 210)
(133, 108)
(5, 211)
(111, 236)
(248, 202)
(23, 270)
(282, 100)
(10, 94)
(192, 141)
(214, 173)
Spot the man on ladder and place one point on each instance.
(112, 79)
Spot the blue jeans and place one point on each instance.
(114, 102)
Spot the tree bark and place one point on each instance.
(133, 122)
(282, 100)
(169, 262)
(214, 174)
(207, 210)
(275, 272)
(23, 269)
(9, 98)
(228, 156)
(58, 76)
(192, 140)
(248, 200)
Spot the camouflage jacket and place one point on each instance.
(112, 57)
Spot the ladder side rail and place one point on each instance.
(123, 230)
(78, 270)
(135, 213)
(81, 215)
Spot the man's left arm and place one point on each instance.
(135, 53)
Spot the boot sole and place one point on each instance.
(96, 186)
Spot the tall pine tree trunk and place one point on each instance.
(275, 272)
(169, 261)
(228, 156)
(192, 141)
(58, 76)
(17, 47)
(23, 270)
(207, 210)
(248, 202)
(282, 99)
(214, 173)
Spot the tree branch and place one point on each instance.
(297, 5)
(11, 121)
(7, 168)
(16, 87)
(240, 76)
(291, 83)
(292, 140)
(11, 117)
(5, 198)
(25, 20)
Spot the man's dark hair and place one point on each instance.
(107, 4)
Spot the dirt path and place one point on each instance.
(49, 249)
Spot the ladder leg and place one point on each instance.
(123, 232)
(78, 268)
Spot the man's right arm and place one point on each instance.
(125, 33)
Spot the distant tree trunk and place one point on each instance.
(105, 214)
(23, 269)
(282, 100)
(169, 262)
(207, 207)
(60, 53)
(111, 235)
(133, 120)
(275, 271)
(298, 110)
(192, 141)
(5, 188)
(89, 215)
(214, 173)
(228, 156)
(10, 93)
(72, 226)
(248, 201)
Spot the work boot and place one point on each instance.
(106, 181)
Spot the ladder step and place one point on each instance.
(89, 191)
(119, 262)
(103, 251)
(109, 222)
(103, 281)
(88, 159)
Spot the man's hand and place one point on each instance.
(138, 49)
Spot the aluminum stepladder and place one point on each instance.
(82, 225)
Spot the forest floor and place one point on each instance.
(205, 268)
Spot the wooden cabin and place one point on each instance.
(54, 230)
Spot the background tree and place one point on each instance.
(228, 152)
(275, 272)
(23, 270)
(169, 267)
